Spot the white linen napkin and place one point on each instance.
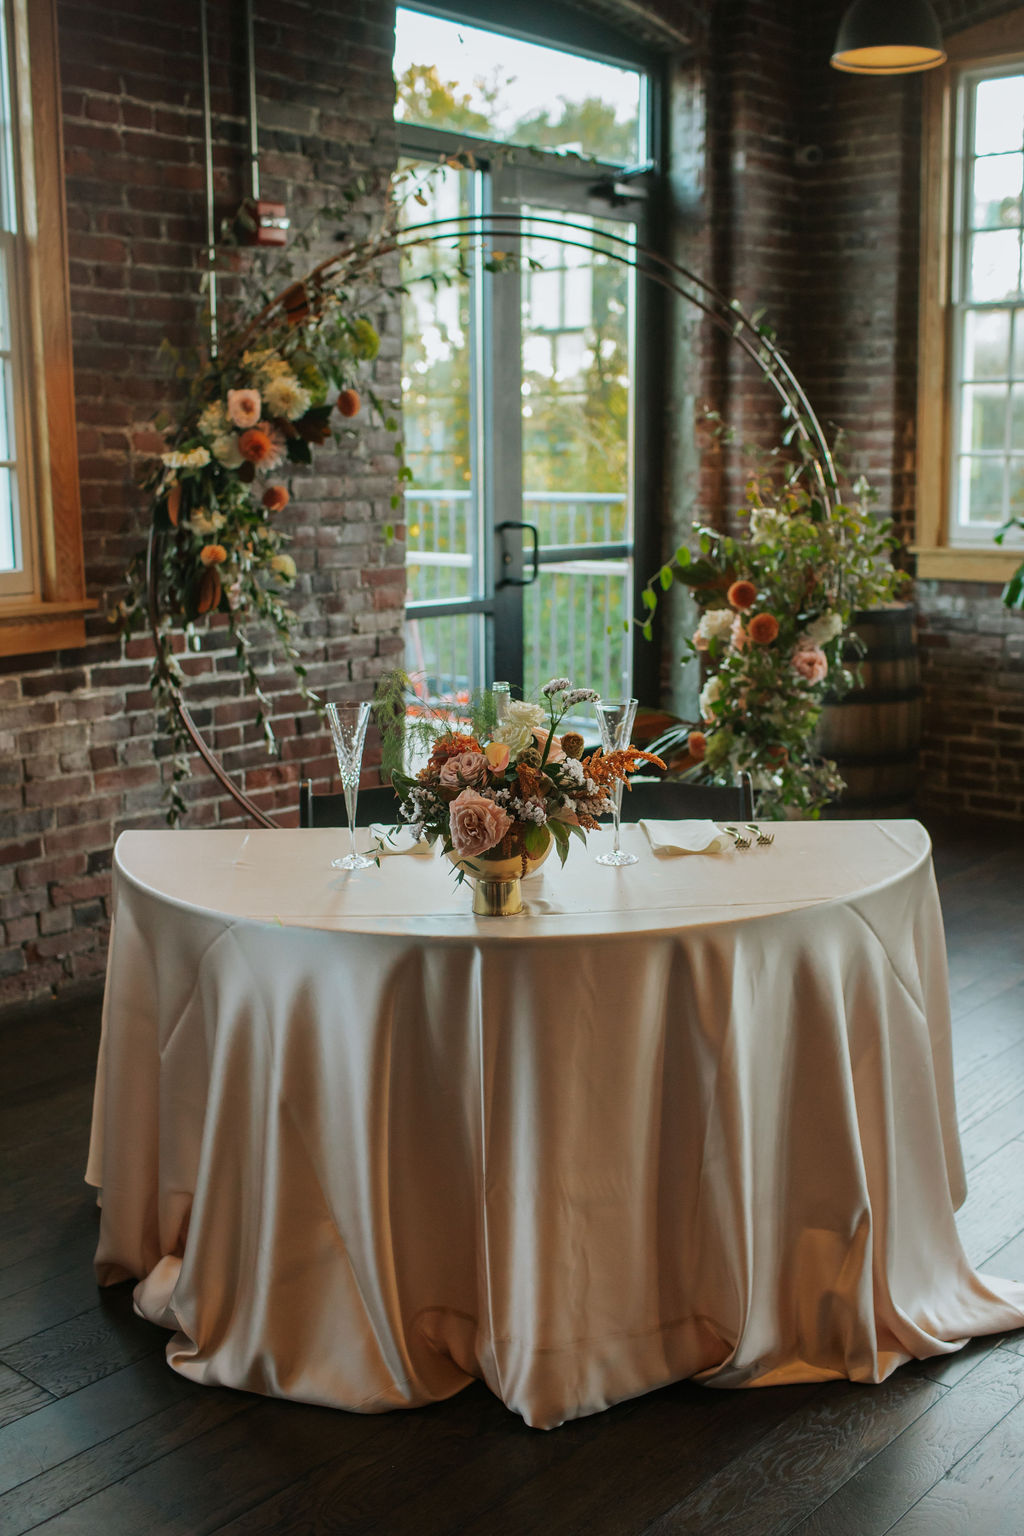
(669, 837)
(401, 839)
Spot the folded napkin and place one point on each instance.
(668, 837)
(397, 839)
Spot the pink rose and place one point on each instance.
(700, 640)
(476, 823)
(555, 753)
(244, 407)
(462, 769)
(738, 634)
(811, 662)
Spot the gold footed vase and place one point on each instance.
(497, 875)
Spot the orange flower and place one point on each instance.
(763, 628)
(259, 447)
(275, 498)
(697, 745)
(451, 746)
(742, 594)
(213, 554)
(348, 403)
(607, 769)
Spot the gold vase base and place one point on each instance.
(497, 898)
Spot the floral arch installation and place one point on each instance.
(726, 315)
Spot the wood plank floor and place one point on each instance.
(99, 1438)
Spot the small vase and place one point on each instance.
(496, 875)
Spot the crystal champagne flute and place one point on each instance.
(615, 717)
(348, 732)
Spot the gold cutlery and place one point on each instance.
(764, 839)
(737, 836)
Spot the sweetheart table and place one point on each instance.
(689, 1118)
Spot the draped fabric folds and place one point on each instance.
(693, 1118)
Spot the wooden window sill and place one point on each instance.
(27, 627)
(973, 564)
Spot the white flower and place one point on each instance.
(285, 396)
(516, 730)
(226, 450)
(195, 458)
(213, 419)
(710, 694)
(715, 624)
(823, 629)
(284, 565)
(579, 696)
(766, 524)
(556, 685)
(204, 523)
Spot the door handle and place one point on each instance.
(521, 581)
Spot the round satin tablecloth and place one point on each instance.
(693, 1117)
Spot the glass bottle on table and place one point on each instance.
(348, 724)
(616, 717)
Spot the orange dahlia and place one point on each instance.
(697, 745)
(275, 498)
(763, 628)
(742, 595)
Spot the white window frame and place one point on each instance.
(945, 550)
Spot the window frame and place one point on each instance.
(51, 615)
(988, 46)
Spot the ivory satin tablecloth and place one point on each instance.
(693, 1117)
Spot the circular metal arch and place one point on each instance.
(727, 315)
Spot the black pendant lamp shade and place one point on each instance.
(888, 37)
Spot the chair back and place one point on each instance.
(379, 803)
(677, 800)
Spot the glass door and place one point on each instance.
(519, 396)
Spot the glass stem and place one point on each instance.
(617, 812)
(351, 793)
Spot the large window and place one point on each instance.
(521, 385)
(41, 577)
(971, 438)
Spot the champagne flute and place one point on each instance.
(348, 732)
(615, 717)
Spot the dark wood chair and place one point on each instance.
(377, 804)
(676, 800)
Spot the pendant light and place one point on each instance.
(888, 37)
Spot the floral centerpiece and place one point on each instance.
(773, 637)
(499, 792)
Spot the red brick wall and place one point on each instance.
(77, 730)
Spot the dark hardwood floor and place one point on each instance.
(98, 1437)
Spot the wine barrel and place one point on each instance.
(873, 733)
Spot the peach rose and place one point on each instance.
(477, 824)
(555, 753)
(244, 407)
(213, 554)
(810, 662)
(697, 745)
(738, 634)
(466, 768)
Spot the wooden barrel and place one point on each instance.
(874, 732)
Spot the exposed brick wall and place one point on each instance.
(829, 248)
(972, 664)
(77, 729)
